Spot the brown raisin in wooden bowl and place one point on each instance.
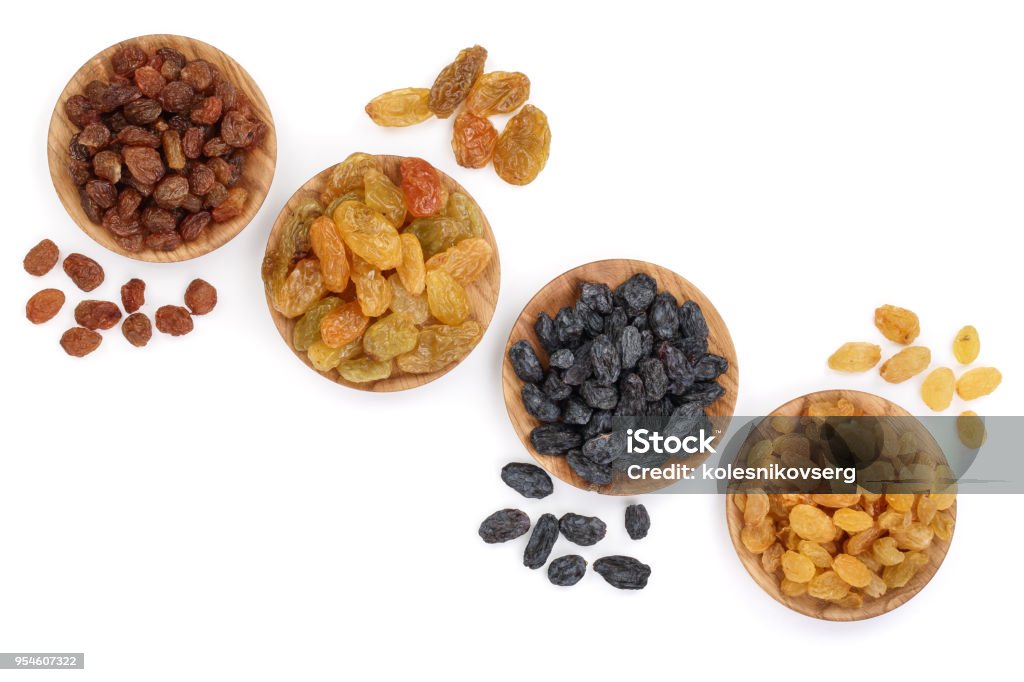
(346, 181)
(763, 553)
(257, 166)
(562, 292)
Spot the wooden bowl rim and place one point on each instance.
(815, 608)
(220, 234)
(401, 381)
(722, 343)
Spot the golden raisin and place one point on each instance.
(966, 345)
(897, 324)
(797, 567)
(447, 298)
(937, 389)
(402, 107)
(907, 363)
(343, 325)
(329, 247)
(811, 523)
(372, 290)
(412, 270)
(855, 356)
(971, 429)
(978, 382)
(851, 570)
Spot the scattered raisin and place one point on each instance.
(83, 271)
(529, 480)
(137, 329)
(623, 572)
(133, 295)
(567, 570)
(174, 320)
(79, 341)
(97, 314)
(542, 540)
(200, 297)
(44, 305)
(583, 530)
(638, 521)
(41, 258)
(504, 525)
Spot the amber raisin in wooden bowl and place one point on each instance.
(256, 177)
(869, 405)
(482, 293)
(563, 291)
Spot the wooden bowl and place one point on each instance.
(872, 405)
(483, 293)
(562, 291)
(259, 162)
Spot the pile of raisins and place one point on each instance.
(519, 153)
(616, 358)
(504, 525)
(92, 316)
(377, 274)
(160, 148)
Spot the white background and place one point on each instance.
(208, 508)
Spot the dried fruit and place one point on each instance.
(363, 370)
(372, 291)
(638, 521)
(966, 345)
(446, 298)
(307, 330)
(412, 305)
(44, 305)
(855, 357)
(937, 389)
(523, 147)
(567, 570)
(402, 107)
(978, 382)
(811, 523)
(623, 572)
(797, 567)
(504, 525)
(529, 480)
(412, 270)
(542, 540)
(384, 197)
(41, 258)
(440, 345)
(971, 429)
(422, 188)
(368, 234)
(908, 363)
(343, 324)
(473, 140)
(329, 247)
(200, 297)
(437, 234)
(465, 261)
(137, 329)
(390, 336)
(897, 324)
(97, 314)
(83, 271)
(454, 82)
(79, 341)
(582, 530)
(498, 92)
(174, 320)
(525, 362)
(133, 295)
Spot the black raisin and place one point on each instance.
(623, 572)
(576, 412)
(597, 295)
(555, 388)
(582, 366)
(555, 439)
(638, 521)
(567, 570)
(615, 322)
(539, 405)
(583, 530)
(529, 480)
(710, 367)
(542, 540)
(691, 321)
(569, 327)
(600, 422)
(525, 362)
(599, 397)
(704, 393)
(546, 333)
(591, 320)
(655, 380)
(629, 347)
(604, 360)
(637, 292)
(663, 319)
(592, 472)
(605, 448)
(504, 525)
(561, 358)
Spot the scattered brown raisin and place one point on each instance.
(79, 341)
(97, 314)
(133, 294)
(83, 271)
(137, 329)
(44, 305)
(41, 258)
(174, 320)
(200, 297)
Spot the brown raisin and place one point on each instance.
(122, 227)
(94, 212)
(41, 258)
(173, 62)
(216, 146)
(200, 297)
(128, 202)
(171, 192)
(207, 112)
(107, 166)
(117, 95)
(83, 271)
(79, 110)
(127, 59)
(79, 341)
(137, 329)
(80, 171)
(132, 243)
(232, 205)
(44, 305)
(174, 151)
(144, 164)
(193, 226)
(149, 81)
(133, 294)
(134, 136)
(173, 320)
(158, 219)
(142, 111)
(192, 142)
(97, 314)
(200, 179)
(216, 196)
(163, 241)
(177, 96)
(237, 130)
(94, 136)
(198, 74)
(103, 193)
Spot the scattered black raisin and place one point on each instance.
(504, 525)
(542, 540)
(638, 521)
(567, 570)
(623, 572)
(583, 530)
(529, 480)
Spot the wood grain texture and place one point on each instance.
(872, 405)
(563, 291)
(482, 294)
(259, 163)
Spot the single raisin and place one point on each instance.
(97, 314)
(83, 271)
(454, 82)
(107, 166)
(582, 530)
(529, 480)
(473, 140)
(177, 96)
(623, 572)
(41, 258)
(79, 341)
(566, 571)
(133, 294)
(127, 59)
(173, 320)
(542, 541)
(200, 297)
(504, 525)
(170, 192)
(163, 241)
(44, 305)
(525, 362)
(638, 521)
(137, 329)
(421, 185)
(144, 163)
(192, 226)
